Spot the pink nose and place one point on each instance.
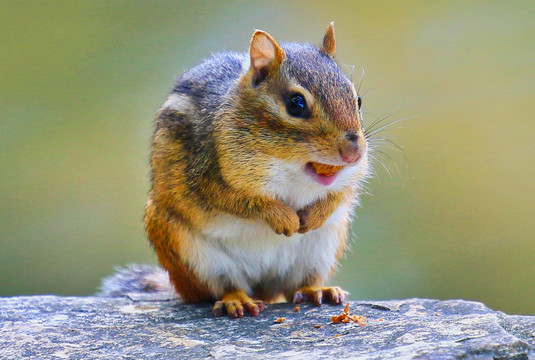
(350, 152)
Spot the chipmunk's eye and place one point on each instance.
(297, 105)
(359, 101)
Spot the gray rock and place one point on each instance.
(51, 327)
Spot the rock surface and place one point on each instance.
(50, 327)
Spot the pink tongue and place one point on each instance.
(322, 179)
(325, 180)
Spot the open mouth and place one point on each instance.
(324, 174)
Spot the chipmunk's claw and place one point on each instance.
(235, 303)
(317, 295)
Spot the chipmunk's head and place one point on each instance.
(305, 108)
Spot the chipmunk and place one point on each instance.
(257, 163)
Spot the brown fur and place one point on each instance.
(329, 44)
(170, 235)
(314, 216)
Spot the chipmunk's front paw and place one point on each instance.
(234, 304)
(283, 220)
(317, 295)
(309, 220)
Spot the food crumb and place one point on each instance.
(296, 309)
(279, 320)
(317, 326)
(325, 169)
(344, 318)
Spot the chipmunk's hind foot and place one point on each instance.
(318, 295)
(235, 303)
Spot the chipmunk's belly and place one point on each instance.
(243, 253)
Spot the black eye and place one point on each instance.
(297, 105)
(359, 101)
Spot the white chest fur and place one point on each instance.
(241, 253)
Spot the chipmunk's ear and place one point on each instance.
(266, 56)
(329, 44)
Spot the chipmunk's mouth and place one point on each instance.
(324, 174)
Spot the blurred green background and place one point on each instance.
(80, 82)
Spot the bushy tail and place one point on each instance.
(138, 282)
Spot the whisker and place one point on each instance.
(381, 152)
(372, 91)
(381, 120)
(395, 164)
(375, 174)
(360, 80)
(382, 148)
(388, 171)
(377, 130)
(350, 72)
(386, 141)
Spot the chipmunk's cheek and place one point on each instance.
(323, 174)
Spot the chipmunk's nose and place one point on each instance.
(350, 150)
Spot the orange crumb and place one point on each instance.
(344, 318)
(317, 326)
(296, 308)
(280, 320)
(325, 169)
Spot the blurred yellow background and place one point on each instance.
(80, 82)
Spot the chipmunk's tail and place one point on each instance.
(138, 282)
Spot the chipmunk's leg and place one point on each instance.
(311, 288)
(234, 302)
(315, 215)
(319, 294)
